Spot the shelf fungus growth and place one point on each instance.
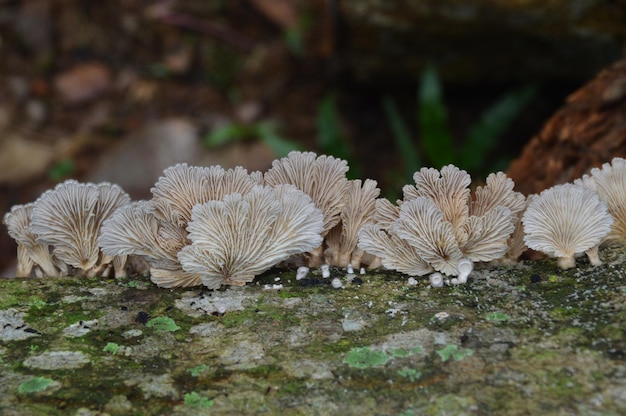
(65, 221)
(241, 236)
(438, 227)
(31, 255)
(610, 185)
(323, 178)
(567, 220)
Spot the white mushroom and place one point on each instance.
(183, 186)
(135, 230)
(359, 210)
(241, 236)
(69, 218)
(465, 267)
(566, 220)
(437, 224)
(610, 185)
(30, 253)
(436, 280)
(395, 253)
(323, 178)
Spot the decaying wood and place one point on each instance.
(590, 129)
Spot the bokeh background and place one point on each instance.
(118, 90)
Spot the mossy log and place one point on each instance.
(524, 339)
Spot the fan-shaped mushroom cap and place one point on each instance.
(323, 178)
(498, 191)
(447, 189)
(236, 238)
(183, 186)
(395, 253)
(566, 220)
(69, 217)
(610, 185)
(29, 252)
(359, 210)
(487, 235)
(422, 224)
(134, 230)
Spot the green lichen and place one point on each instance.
(197, 370)
(497, 317)
(163, 323)
(364, 357)
(34, 385)
(410, 373)
(111, 347)
(453, 351)
(196, 401)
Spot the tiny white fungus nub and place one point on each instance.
(336, 283)
(325, 268)
(465, 267)
(350, 269)
(436, 280)
(302, 272)
(412, 281)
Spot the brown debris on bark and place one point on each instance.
(590, 129)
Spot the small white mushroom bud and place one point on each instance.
(362, 271)
(464, 267)
(350, 269)
(412, 281)
(436, 280)
(302, 272)
(336, 282)
(454, 281)
(325, 268)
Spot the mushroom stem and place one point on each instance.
(566, 262)
(594, 257)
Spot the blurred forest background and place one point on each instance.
(118, 90)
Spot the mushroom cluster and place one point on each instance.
(437, 226)
(213, 226)
(58, 233)
(609, 183)
(347, 205)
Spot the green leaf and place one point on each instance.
(279, 146)
(61, 170)
(483, 135)
(330, 137)
(435, 134)
(402, 137)
(229, 133)
(163, 323)
(34, 385)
